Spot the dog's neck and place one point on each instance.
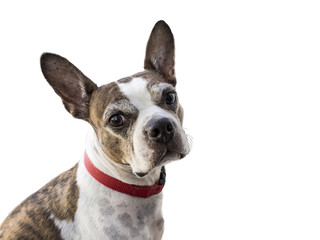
(116, 170)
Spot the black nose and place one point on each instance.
(160, 130)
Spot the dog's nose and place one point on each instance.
(160, 130)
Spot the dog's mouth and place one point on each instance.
(166, 157)
(169, 156)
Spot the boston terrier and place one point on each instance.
(114, 191)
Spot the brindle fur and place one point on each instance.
(32, 219)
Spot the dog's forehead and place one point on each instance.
(137, 92)
(141, 92)
(128, 94)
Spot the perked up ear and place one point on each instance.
(160, 52)
(69, 83)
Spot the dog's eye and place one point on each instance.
(171, 98)
(116, 120)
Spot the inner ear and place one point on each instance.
(69, 83)
(160, 52)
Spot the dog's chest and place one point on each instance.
(103, 213)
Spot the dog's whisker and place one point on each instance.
(189, 140)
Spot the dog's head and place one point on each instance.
(138, 119)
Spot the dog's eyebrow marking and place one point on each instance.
(156, 90)
(137, 92)
(122, 105)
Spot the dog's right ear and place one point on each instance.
(69, 83)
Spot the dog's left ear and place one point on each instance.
(160, 52)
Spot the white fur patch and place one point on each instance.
(137, 92)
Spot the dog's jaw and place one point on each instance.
(117, 170)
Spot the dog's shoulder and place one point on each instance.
(33, 218)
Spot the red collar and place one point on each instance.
(117, 185)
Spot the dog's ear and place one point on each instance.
(160, 52)
(69, 83)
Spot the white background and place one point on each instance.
(248, 78)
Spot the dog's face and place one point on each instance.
(138, 119)
(141, 123)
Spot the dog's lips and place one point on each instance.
(166, 157)
(169, 156)
(141, 174)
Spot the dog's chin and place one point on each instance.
(163, 160)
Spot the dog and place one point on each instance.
(114, 191)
